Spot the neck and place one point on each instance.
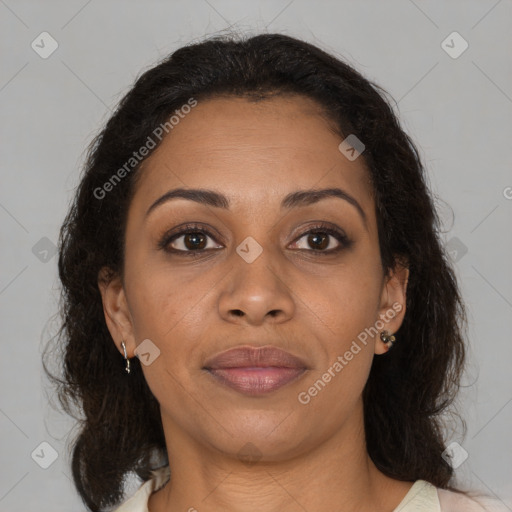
(337, 471)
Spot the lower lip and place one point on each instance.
(256, 381)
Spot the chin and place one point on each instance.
(261, 435)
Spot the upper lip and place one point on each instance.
(260, 357)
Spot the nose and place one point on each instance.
(257, 292)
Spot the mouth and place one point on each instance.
(255, 371)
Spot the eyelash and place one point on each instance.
(345, 242)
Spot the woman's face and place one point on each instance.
(251, 273)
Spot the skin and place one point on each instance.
(313, 305)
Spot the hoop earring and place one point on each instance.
(127, 369)
(388, 339)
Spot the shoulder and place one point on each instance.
(139, 501)
(425, 497)
(421, 497)
(451, 501)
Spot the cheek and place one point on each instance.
(344, 310)
(347, 305)
(345, 302)
(163, 300)
(172, 308)
(167, 309)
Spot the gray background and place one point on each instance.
(458, 110)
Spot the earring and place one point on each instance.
(127, 369)
(388, 339)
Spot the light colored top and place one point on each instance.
(421, 497)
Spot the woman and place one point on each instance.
(258, 312)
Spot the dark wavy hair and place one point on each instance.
(408, 390)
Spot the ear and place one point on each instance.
(115, 308)
(392, 302)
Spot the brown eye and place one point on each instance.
(323, 239)
(194, 241)
(190, 240)
(318, 240)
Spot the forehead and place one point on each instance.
(252, 151)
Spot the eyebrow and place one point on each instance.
(293, 200)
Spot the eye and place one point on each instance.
(192, 239)
(323, 239)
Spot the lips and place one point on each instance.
(258, 357)
(255, 371)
